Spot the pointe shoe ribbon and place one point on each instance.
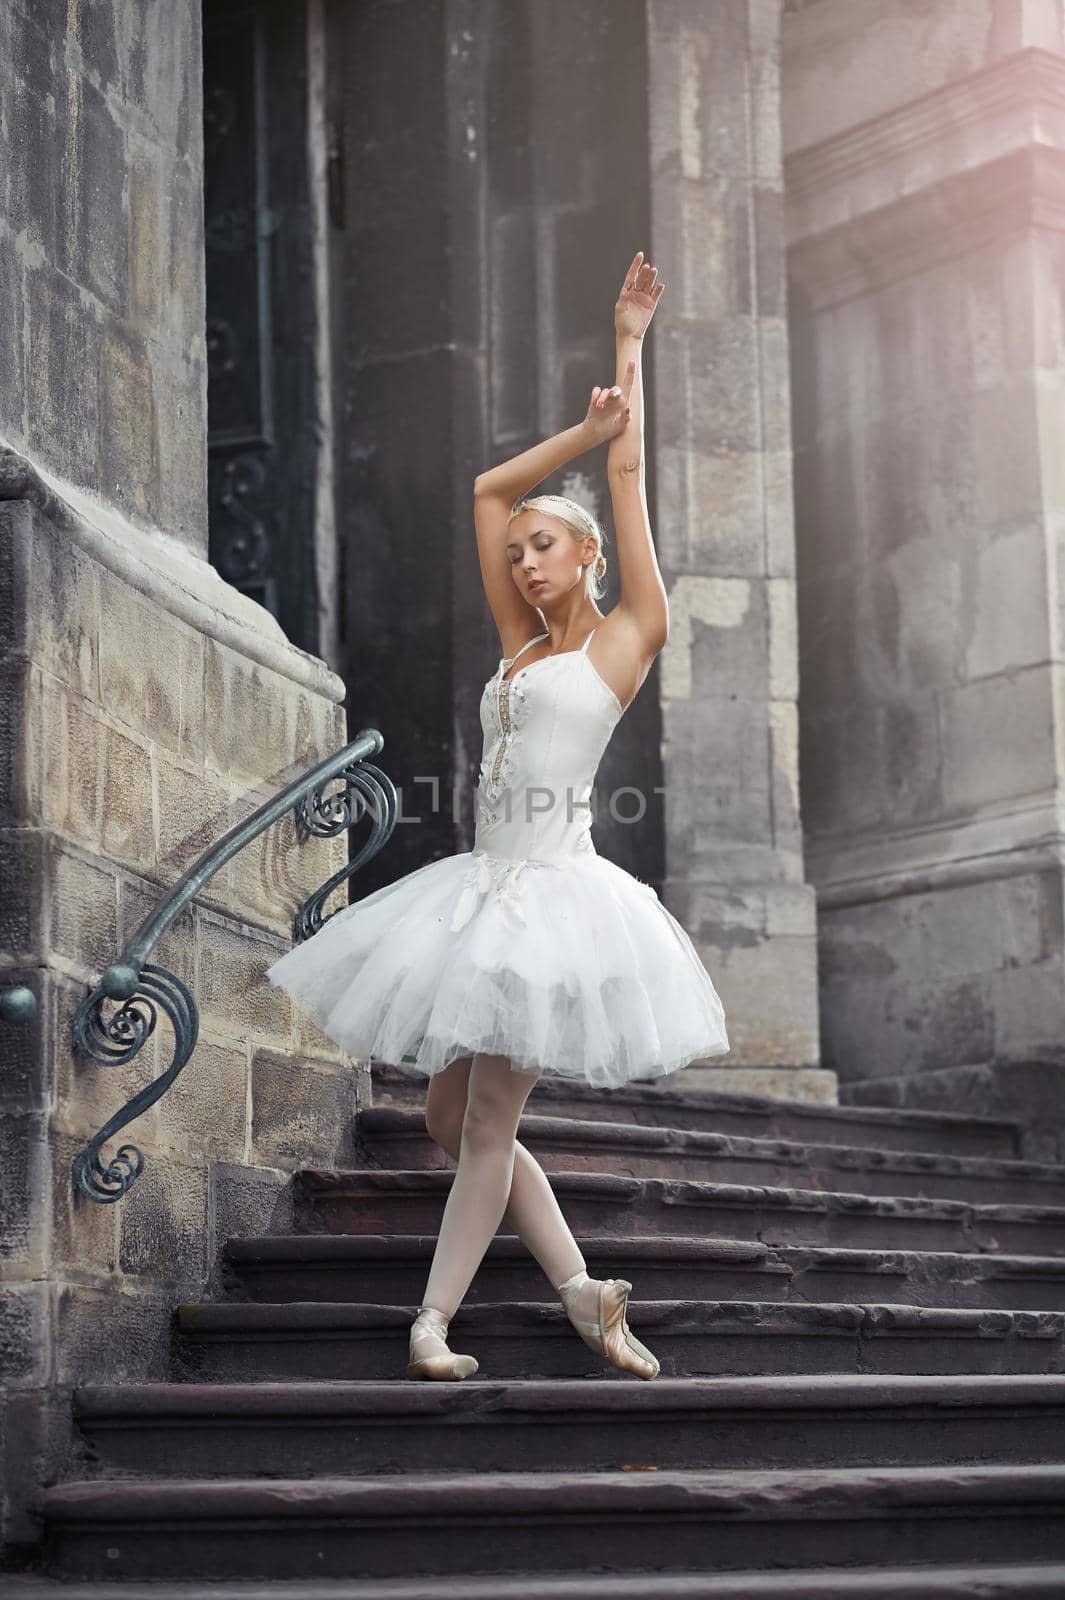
(609, 1334)
(429, 1354)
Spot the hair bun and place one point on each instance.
(600, 566)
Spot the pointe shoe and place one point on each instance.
(429, 1354)
(609, 1334)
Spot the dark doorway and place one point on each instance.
(260, 308)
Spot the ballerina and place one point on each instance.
(531, 954)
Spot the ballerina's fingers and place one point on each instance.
(634, 269)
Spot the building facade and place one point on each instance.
(278, 280)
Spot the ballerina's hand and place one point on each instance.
(608, 411)
(637, 299)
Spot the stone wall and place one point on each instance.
(101, 252)
(145, 708)
(924, 217)
(126, 732)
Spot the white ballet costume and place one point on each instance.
(531, 945)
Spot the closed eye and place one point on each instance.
(540, 547)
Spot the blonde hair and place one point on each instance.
(581, 524)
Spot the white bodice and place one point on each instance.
(545, 731)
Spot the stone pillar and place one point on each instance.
(719, 360)
(145, 708)
(926, 194)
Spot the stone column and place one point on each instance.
(926, 205)
(724, 532)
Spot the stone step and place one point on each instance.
(397, 1138)
(249, 1342)
(374, 1202)
(755, 1116)
(392, 1268)
(318, 1429)
(1030, 1581)
(522, 1522)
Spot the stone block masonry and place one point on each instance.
(101, 254)
(127, 733)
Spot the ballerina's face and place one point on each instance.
(545, 558)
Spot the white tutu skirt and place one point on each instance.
(575, 969)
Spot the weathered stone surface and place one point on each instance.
(246, 1201)
(96, 1330)
(233, 994)
(193, 807)
(24, 1195)
(204, 1112)
(25, 1084)
(293, 729)
(301, 1110)
(64, 609)
(969, 973)
(68, 756)
(995, 729)
(162, 1227)
(1028, 1091)
(816, 1085)
(309, 1040)
(106, 268)
(129, 828)
(25, 1343)
(84, 908)
(834, 51)
(151, 670)
(18, 779)
(61, 363)
(36, 1431)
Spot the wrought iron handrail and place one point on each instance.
(140, 984)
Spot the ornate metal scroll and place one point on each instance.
(144, 989)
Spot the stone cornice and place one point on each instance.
(1032, 82)
(929, 181)
(173, 576)
(855, 871)
(1012, 194)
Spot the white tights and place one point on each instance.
(472, 1111)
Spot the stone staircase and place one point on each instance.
(860, 1316)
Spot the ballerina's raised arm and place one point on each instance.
(507, 580)
(638, 626)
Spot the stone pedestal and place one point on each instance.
(722, 452)
(926, 198)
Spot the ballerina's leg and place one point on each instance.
(481, 1186)
(512, 1182)
(533, 1211)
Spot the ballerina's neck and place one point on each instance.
(506, 662)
